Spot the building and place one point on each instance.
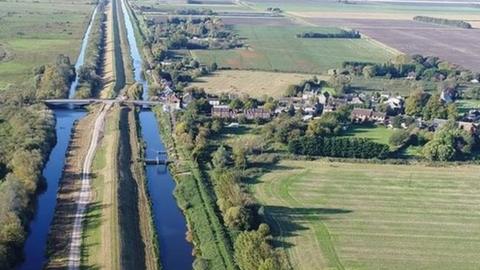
(367, 115)
(223, 111)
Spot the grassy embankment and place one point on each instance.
(195, 197)
(372, 216)
(101, 231)
(33, 34)
(275, 48)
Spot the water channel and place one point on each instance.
(36, 243)
(81, 55)
(175, 251)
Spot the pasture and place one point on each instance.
(330, 215)
(275, 48)
(253, 83)
(35, 32)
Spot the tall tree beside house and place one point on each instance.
(415, 103)
(435, 108)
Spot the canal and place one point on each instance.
(171, 228)
(35, 245)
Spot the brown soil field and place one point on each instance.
(70, 185)
(253, 83)
(455, 45)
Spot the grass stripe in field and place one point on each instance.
(378, 216)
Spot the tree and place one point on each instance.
(415, 102)
(369, 71)
(448, 143)
(237, 218)
(434, 109)
(213, 67)
(220, 158)
(327, 125)
(239, 157)
(452, 112)
(399, 138)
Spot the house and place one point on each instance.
(173, 101)
(412, 76)
(367, 115)
(472, 116)
(449, 95)
(355, 101)
(329, 108)
(257, 113)
(223, 111)
(395, 103)
(469, 127)
(213, 101)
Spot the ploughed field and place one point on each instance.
(276, 48)
(331, 215)
(456, 45)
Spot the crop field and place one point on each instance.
(332, 215)
(33, 33)
(272, 48)
(252, 83)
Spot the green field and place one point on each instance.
(35, 32)
(379, 134)
(464, 105)
(401, 87)
(371, 216)
(277, 48)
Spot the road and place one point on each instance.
(74, 257)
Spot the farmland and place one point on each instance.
(253, 83)
(368, 216)
(34, 33)
(273, 48)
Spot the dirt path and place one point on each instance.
(84, 194)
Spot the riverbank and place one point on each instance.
(212, 246)
(69, 188)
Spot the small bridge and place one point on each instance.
(160, 159)
(90, 101)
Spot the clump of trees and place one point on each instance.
(429, 106)
(197, 33)
(417, 67)
(449, 143)
(194, 11)
(253, 252)
(53, 80)
(350, 34)
(454, 23)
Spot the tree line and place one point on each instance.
(26, 137)
(455, 23)
(350, 34)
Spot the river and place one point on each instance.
(81, 55)
(36, 243)
(171, 228)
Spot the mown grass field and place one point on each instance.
(252, 83)
(276, 48)
(35, 32)
(379, 134)
(369, 216)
